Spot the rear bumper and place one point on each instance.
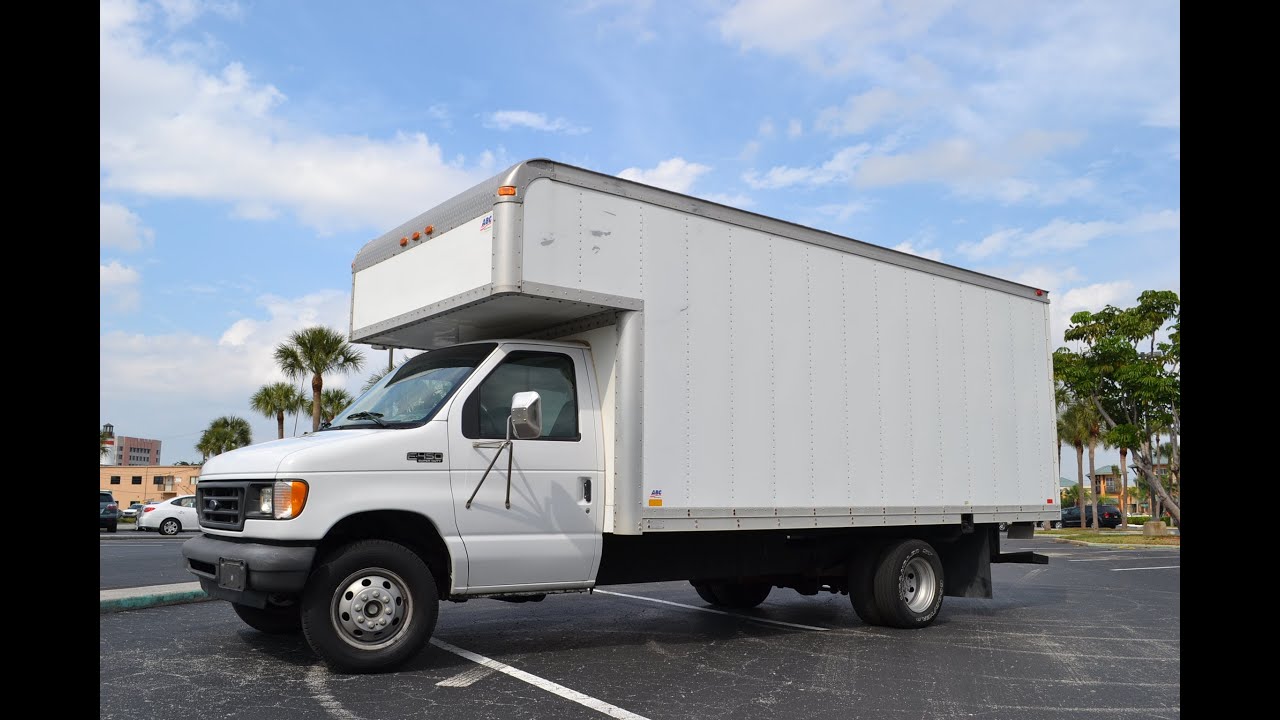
(269, 569)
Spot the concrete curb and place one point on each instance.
(1118, 546)
(152, 596)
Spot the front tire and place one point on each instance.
(369, 607)
(111, 527)
(908, 584)
(169, 526)
(272, 620)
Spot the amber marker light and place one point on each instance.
(288, 499)
(507, 190)
(404, 241)
(417, 235)
(429, 229)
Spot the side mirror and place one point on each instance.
(526, 415)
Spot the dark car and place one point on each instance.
(108, 511)
(1108, 516)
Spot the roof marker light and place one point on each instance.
(417, 235)
(404, 241)
(1039, 293)
(429, 229)
(507, 190)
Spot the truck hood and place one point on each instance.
(265, 459)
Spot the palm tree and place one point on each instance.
(313, 352)
(334, 401)
(277, 399)
(225, 433)
(1075, 430)
(1095, 436)
(102, 442)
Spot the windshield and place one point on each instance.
(413, 393)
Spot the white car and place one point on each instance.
(169, 517)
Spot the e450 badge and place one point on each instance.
(432, 457)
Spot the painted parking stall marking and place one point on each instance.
(554, 688)
(1157, 567)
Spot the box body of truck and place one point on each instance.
(717, 396)
(780, 376)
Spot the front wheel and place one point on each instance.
(1057, 525)
(369, 607)
(169, 526)
(908, 584)
(272, 620)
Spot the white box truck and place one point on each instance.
(624, 384)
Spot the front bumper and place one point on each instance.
(268, 569)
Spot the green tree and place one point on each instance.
(334, 401)
(277, 399)
(102, 442)
(1131, 377)
(225, 433)
(313, 352)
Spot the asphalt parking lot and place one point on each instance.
(1093, 634)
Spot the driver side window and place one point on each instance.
(484, 416)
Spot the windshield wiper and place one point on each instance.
(366, 415)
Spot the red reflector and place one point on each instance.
(1050, 501)
(1039, 293)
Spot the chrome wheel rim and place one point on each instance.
(169, 527)
(372, 608)
(918, 584)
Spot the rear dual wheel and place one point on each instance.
(900, 586)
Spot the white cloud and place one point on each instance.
(508, 119)
(1060, 235)
(827, 35)
(173, 128)
(844, 211)
(861, 112)
(675, 174)
(1051, 279)
(118, 284)
(182, 12)
(908, 247)
(794, 128)
(839, 168)
(164, 386)
(737, 200)
(766, 129)
(120, 228)
(1090, 297)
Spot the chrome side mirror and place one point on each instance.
(526, 415)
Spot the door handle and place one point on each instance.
(586, 488)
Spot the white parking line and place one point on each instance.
(717, 612)
(466, 678)
(1157, 567)
(553, 688)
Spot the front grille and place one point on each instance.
(222, 504)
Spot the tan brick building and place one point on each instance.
(138, 483)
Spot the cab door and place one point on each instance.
(550, 535)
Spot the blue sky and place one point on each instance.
(249, 149)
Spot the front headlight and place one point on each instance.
(283, 499)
